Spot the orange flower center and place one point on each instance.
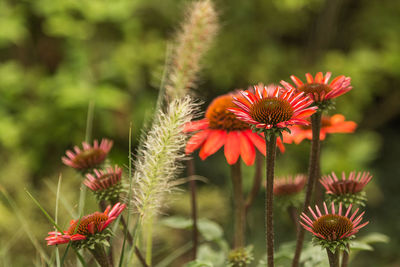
(349, 186)
(96, 218)
(332, 226)
(89, 156)
(220, 118)
(312, 88)
(271, 110)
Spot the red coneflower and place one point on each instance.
(86, 230)
(318, 88)
(106, 185)
(89, 157)
(288, 185)
(347, 190)
(273, 109)
(333, 124)
(220, 127)
(332, 226)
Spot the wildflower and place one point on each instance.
(332, 229)
(240, 257)
(318, 88)
(278, 109)
(89, 230)
(106, 185)
(347, 190)
(333, 124)
(220, 127)
(89, 157)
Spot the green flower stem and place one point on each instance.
(333, 258)
(346, 254)
(100, 255)
(294, 216)
(193, 191)
(269, 197)
(256, 182)
(238, 200)
(313, 171)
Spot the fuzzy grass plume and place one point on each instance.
(194, 39)
(158, 159)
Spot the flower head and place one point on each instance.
(318, 88)
(87, 230)
(278, 109)
(89, 157)
(220, 127)
(332, 226)
(289, 185)
(333, 124)
(348, 189)
(105, 184)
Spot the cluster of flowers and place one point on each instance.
(91, 231)
(240, 121)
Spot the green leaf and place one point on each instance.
(357, 245)
(210, 230)
(374, 238)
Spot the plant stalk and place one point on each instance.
(269, 197)
(346, 256)
(256, 182)
(193, 193)
(100, 255)
(294, 216)
(238, 200)
(149, 240)
(333, 258)
(140, 257)
(313, 171)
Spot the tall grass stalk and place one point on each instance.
(192, 41)
(56, 217)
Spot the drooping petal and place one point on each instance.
(196, 141)
(247, 150)
(214, 141)
(232, 148)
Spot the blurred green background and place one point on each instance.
(57, 56)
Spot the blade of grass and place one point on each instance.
(89, 122)
(56, 216)
(129, 195)
(25, 227)
(63, 200)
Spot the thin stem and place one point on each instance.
(149, 240)
(238, 201)
(89, 122)
(140, 257)
(100, 255)
(346, 256)
(333, 258)
(126, 230)
(313, 170)
(193, 191)
(294, 217)
(256, 182)
(269, 197)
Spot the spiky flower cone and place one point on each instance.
(198, 31)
